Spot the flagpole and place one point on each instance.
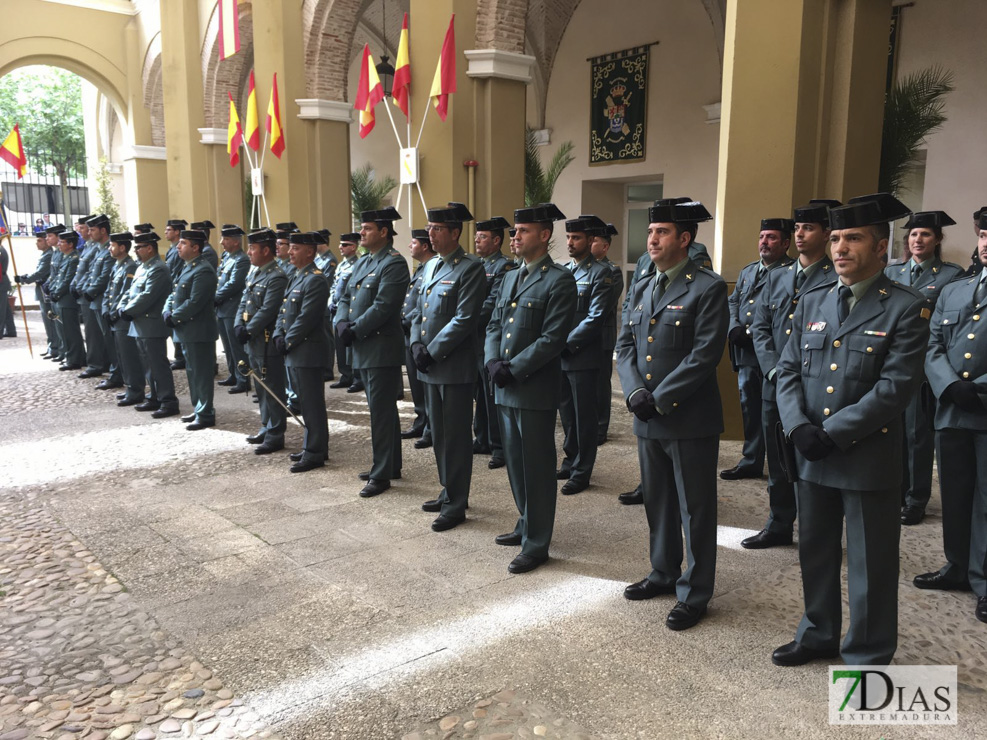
(390, 116)
(20, 295)
(422, 127)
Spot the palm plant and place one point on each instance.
(367, 191)
(913, 110)
(539, 183)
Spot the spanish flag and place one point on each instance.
(402, 71)
(252, 132)
(274, 121)
(234, 135)
(369, 92)
(229, 29)
(12, 151)
(444, 82)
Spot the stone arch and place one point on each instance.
(153, 90)
(330, 26)
(230, 76)
(501, 24)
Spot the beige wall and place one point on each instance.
(684, 76)
(950, 33)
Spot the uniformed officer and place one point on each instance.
(6, 314)
(42, 271)
(100, 272)
(853, 360)
(172, 233)
(142, 306)
(114, 297)
(445, 349)
(208, 253)
(300, 337)
(956, 366)
(256, 320)
(581, 357)
(772, 245)
(421, 252)
(97, 361)
(667, 353)
(229, 292)
(144, 228)
(772, 327)
(525, 339)
(190, 311)
(64, 305)
(326, 261)
(347, 248)
(604, 387)
(51, 239)
(489, 241)
(926, 272)
(369, 321)
(975, 267)
(283, 253)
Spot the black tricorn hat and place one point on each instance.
(147, 238)
(319, 237)
(286, 226)
(350, 238)
(195, 235)
(285, 235)
(979, 212)
(384, 215)
(451, 213)
(777, 224)
(587, 224)
(493, 224)
(539, 214)
(326, 233)
(677, 211)
(421, 235)
(69, 236)
(203, 225)
(261, 236)
(612, 230)
(122, 237)
(867, 210)
(306, 237)
(816, 211)
(232, 230)
(143, 228)
(100, 221)
(929, 220)
(177, 223)
(84, 219)
(982, 221)
(56, 229)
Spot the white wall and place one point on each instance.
(950, 33)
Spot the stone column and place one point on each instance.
(145, 177)
(224, 183)
(325, 125)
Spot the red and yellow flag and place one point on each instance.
(274, 121)
(402, 71)
(444, 82)
(369, 92)
(252, 130)
(12, 151)
(234, 135)
(229, 29)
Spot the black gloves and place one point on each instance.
(75, 293)
(113, 317)
(124, 315)
(964, 394)
(812, 442)
(168, 320)
(346, 333)
(241, 333)
(423, 360)
(739, 337)
(18, 278)
(279, 345)
(642, 405)
(89, 296)
(500, 373)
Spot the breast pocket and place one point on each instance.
(866, 356)
(948, 323)
(582, 301)
(448, 298)
(813, 346)
(676, 330)
(532, 313)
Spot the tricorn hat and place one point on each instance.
(539, 214)
(493, 224)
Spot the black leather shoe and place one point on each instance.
(256, 439)
(411, 433)
(128, 401)
(197, 425)
(938, 582)
(496, 462)
(524, 563)
(432, 506)
(795, 653)
(631, 498)
(737, 472)
(303, 466)
(647, 589)
(121, 396)
(423, 443)
(355, 388)
(188, 418)
(561, 474)
(374, 488)
(600, 441)
(510, 539)
(106, 385)
(683, 616)
(90, 373)
(295, 456)
(342, 383)
(765, 539)
(268, 447)
(148, 406)
(238, 389)
(230, 381)
(571, 487)
(178, 365)
(479, 449)
(981, 610)
(69, 367)
(165, 413)
(442, 522)
(365, 475)
(911, 515)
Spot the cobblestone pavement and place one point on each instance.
(140, 562)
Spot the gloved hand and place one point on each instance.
(169, 321)
(812, 442)
(500, 373)
(106, 318)
(423, 360)
(75, 293)
(740, 338)
(89, 296)
(125, 316)
(113, 317)
(17, 279)
(346, 333)
(241, 333)
(279, 345)
(964, 394)
(51, 315)
(642, 405)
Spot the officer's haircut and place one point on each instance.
(686, 227)
(881, 230)
(498, 233)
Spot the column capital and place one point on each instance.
(324, 110)
(139, 151)
(214, 136)
(506, 65)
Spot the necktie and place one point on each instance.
(981, 293)
(659, 290)
(843, 305)
(916, 273)
(800, 277)
(759, 275)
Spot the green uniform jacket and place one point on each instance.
(935, 276)
(742, 302)
(100, 271)
(117, 291)
(61, 280)
(191, 303)
(302, 320)
(232, 279)
(262, 299)
(148, 293)
(594, 291)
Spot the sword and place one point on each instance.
(249, 372)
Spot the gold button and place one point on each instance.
(677, 323)
(507, 351)
(833, 366)
(836, 343)
(825, 412)
(870, 349)
(884, 430)
(788, 331)
(945, 321)
(423, 332)
(675, 405)
(966, 374)
(510, 320)
(648, 376)
(751, 300)
(427, 292)
(508, 336)
(971, 336)
(651, 339)
(513, 305)
(829, 389)
(748, 313)
(791, 316)
(648, 358)
(424, 318)
(968, 355)
(976, 317)
(654, 321)
(529, 304)
(426, 305)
